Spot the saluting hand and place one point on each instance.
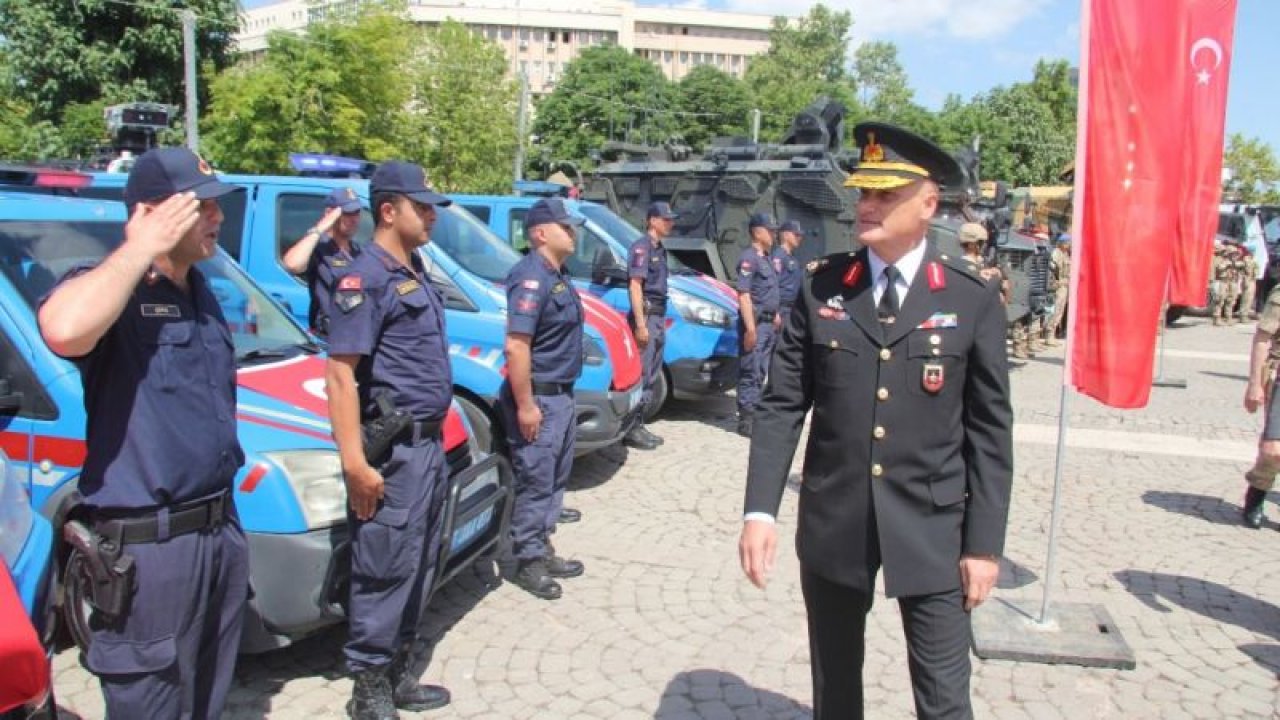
(158, 228)
(364, 490)
(328, 219)
(978, 574)
(756, 548)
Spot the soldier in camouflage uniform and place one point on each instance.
(1060, 284)
(1248, 284)
(1264, 358)
(1226, 277)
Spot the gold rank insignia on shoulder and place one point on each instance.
(557, 288)
(407, 287)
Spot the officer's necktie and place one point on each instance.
(887, 309)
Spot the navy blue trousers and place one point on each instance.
(174, 655)
(541, 470)
(651, 355)
(394, 554)
(753, 365)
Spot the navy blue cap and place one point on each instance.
(662, 210)
(551, 210)
(344, 198)
(162, 172)
(764, 220)
(405, 178)
(792, 226)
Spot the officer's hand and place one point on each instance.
(749, 339)
(642, 336)
(364, 490)
(157, 229)
(978, 574)
(530, 419)
(1254, 397)
(328, 219)
(756, 547)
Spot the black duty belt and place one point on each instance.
(425, 429)
(182, 519)
(766, 315)
(655, 307)
(552, 388)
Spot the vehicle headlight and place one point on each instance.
(592, 351)
(697, 310)
(317, 482)
(16, 515)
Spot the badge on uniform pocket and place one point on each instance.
(933, 377)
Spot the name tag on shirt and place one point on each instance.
(160, 311)
(338, 262)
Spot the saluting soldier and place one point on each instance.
(758, 317)
(899, 352)
(544, 359)
(158, 368)
(388, 353)
(325, 252)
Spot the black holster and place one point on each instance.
(380, 433)
(112, 573)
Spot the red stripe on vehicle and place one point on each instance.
(254, 477)
(284, 426)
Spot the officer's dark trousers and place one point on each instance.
(938, 637)
(175, 653)
(753, 365)
(651, 356)
(394, 554)
(541, 471)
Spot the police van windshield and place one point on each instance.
(34, 254)
(625, 233)
(472, 244)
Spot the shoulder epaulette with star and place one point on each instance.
(963, 266)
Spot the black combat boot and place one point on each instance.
(407, 694)
(1254, 499)
(371, 696)
(558, 567)
(532, 577)
(641, 439)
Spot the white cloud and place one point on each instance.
(961, 19)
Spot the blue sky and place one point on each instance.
(969, 46)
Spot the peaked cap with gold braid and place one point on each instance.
(892, 157)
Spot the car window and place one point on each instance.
(17, 377)
(230, 237)
(296, 213)
(480, 211)
(472, 244)
(515, 230)
(591, 252)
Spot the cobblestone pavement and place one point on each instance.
(663, 625)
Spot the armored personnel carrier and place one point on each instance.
(801, 178)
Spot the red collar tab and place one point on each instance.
(853, 274)
(937, 278)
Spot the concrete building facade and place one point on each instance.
(540, 37)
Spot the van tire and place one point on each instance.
(488, 432)
(75, 600)
(661, 391)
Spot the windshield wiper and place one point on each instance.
(260, 354)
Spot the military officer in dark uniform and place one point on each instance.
(158, 368)
(544, 359)
(758, 316)
(647, 290)
(790, 273)
(325, 252)
(899, 352)
(388, 353)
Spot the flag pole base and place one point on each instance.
(1179, 383)
(1073, 634)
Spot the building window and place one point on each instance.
(684, 58)
(506, 33)
(666, 56)
(524, 33)
(564, 36)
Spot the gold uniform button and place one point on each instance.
(885, 354)
(876, 470)
(878, 433)
(882, 394)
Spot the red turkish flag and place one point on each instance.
(1135, 85)
(1210, 25)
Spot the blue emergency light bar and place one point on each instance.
(319, 165)
(540, 188)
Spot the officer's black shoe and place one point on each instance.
(641, 439)
(534, 579)
(407, 694)
(558, 567)
(569, 515)
(371, 696)
(1254, 499)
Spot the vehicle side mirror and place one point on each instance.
(605, 269)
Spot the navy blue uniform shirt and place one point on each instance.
(542, 303)
(160, 399)
(391, 316)
(327, 263)
(789, 276)
(649, 263)
(758, 276)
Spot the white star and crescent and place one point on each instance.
(1205, 43)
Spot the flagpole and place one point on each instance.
(1055, 512)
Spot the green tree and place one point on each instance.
(464, 111)
(805, 59)
(716, 104)
(606, 94)
(1254, 170)
(65, 53)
